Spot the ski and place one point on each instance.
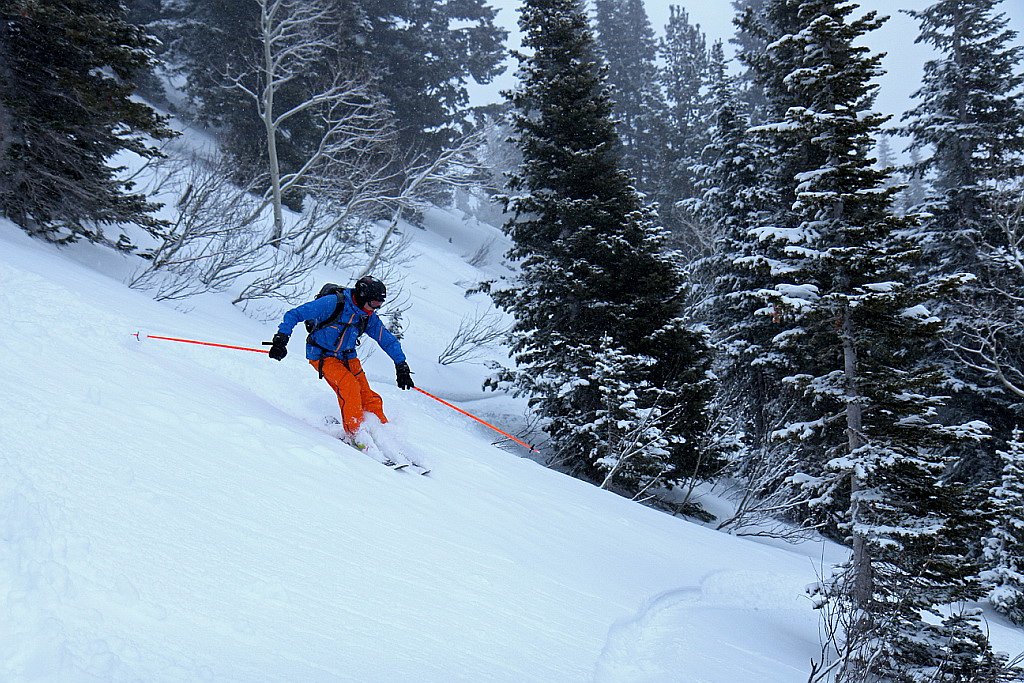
(392, 450)
(370, 449)
(369, 444)
(383, 460)
(365, 444)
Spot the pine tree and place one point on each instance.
(732, 199)
(760, 331)
(685, 78)
(748, 41)
(885, 161)
(595, 275)
(1004, 544)
(969, 120)
(145, 13)
(66, 109)
(917, 187)
(626, 438)
(425, 52)
(908, 190)
(867, 395)
(629, 48)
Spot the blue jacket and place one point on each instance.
(339, 338)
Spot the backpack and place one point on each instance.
(326, 290)
(338, 291)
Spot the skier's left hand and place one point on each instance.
(404, 376)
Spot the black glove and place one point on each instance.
(278, 347)
(404, 376)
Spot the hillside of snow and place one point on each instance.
(170, 512)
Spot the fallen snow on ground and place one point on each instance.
(179, 513)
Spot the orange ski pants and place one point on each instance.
(355, 397)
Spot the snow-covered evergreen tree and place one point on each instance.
(627, 439)
(865, 425)
(750, 42)
(628, 45)
(917, 187)
(593, 266)
(684, 79)
(732, 199)
(1004, 544)
(886, 160)
(969, 125)
(760, 330)
(66, 109)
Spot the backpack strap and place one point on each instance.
(339, 304)
(328, 321)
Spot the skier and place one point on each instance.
(335, 322)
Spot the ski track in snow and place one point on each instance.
(727, 629)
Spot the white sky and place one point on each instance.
(903, 63)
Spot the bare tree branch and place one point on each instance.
(476, 334)
(455, 166)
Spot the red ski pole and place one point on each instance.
(139, 336)
(472, 416)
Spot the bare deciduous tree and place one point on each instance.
(992, 345)
(454, 167)
(282, 276)
(761, 501)
(351, 190)
(483, 254)
(475, 335)
(212, 240)
(296, 39)
(636, 444)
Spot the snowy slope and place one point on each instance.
(180, 513)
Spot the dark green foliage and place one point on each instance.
(424, 52)
(905, 632)
(1004, 540)
(750, 42)
(732, 197)
(684, 77)
(627, 43)
(969, 123)
(864, 425)
(420, 53)
(65, 110)
(596, 281)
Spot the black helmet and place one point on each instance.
(369, 288)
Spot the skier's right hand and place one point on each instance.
(278, 347)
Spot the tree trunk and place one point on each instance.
(379, 252)
(268, 123)
(862, 574)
